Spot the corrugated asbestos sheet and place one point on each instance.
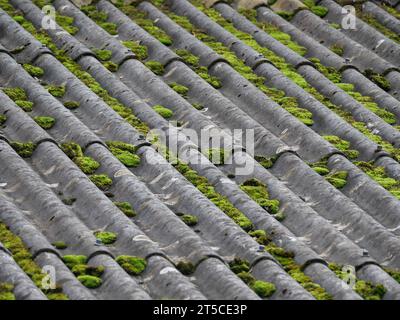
(94, 203)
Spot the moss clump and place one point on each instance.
(72, 149)
(24, 259)
(132, 265)
(56, 91)
(3, 119)
(303, 115)
(378, 79)
(208, 190)
(110, 66)
(185, 267)
(338, 179)
(71, 105)
(182, 90)
(337, 49)
(84, 269)
(140, 51)
(259, 193)
(285, 258)
(86, 164)
(163, 112)
(189, 220)
(260, 236)
(265, 162)
(66, 23)
(217, 156)
(103, 55)
(6, 291)
(102, 181)
(395, 274)
(126, 208)
(60, 245)
(15, 93)
(73, 260)
(156, 67)
(110, 27)
(125, 153)
(90, 282)
(106, 237)
(45, 122)
(68, 201)
(343, 146)
(27, 106)
(263, 289)
(25, 150)
(242, 267)
(33, 70)
(320, 11)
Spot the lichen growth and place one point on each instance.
(45, 122)
(132, 265)
(126, 208)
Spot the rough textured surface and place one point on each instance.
(94, 199)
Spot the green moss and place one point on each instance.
(72, 149)
(140, 51)
(84, 269)
(68, 201)
(125, 153)
(285, 258)
(45, 122)
(263, 289)
(260, 236)
(87, 164)
(103, 55)
(285, 15)
(15, 93)
(182, 90)
(102, 181)
(92, 12)
(3, 119)
(208, 190)
(106, 237)
(60, 245)
(110, 27)
(126, 208)
(259, 193)
(238, 265)
(27, 106)
(343, 146)
(395, 274)
(335, 25)
(110, 66)
(90, 282)
(25, 150)
(56, 91)
(71, 105)
(33, 70)
(73, 260)
(378, 79)
(164, 112)
(24, 259)
(6, 291)
(132, 265)
(185, 267)
(66, 23)
(338, 179)
(217, 156)
(155, 66)
(189, 219)
(337, 49)
(265, 162)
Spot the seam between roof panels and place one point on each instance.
(262, 258)
(45, 250)
(159, 254)
(100, 252)
(209, 256)
(310, 262)
(367, 263)
(166, 64)
(5, 250)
